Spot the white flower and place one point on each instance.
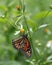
(42, 26)
(16, 32)
(31, 30)
(20, 30)
(48, 32)
(49, 44)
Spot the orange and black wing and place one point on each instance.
(17, 43)
(26, 48)
(23, 44)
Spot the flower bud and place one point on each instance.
(18, 8)
(21, 30)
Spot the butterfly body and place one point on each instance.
(23, 44)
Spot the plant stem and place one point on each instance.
(34, 50)
(45, 15)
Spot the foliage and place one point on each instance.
(36, 18)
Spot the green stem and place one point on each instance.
(34, 50)
(45, 15)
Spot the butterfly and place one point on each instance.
(23, 44)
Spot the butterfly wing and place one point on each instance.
(26, 48)
(17, 43)
(23, 44)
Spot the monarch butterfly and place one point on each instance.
(23, 44)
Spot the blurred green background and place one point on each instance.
(38, 15)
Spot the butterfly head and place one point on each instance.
(24, 35)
